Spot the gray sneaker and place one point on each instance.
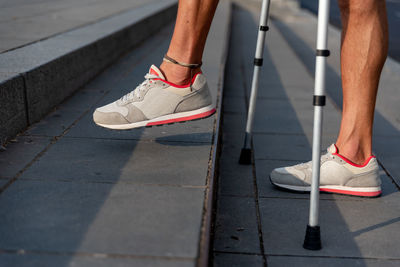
(156, 102)
(338, 175)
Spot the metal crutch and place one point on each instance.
(245, 155)
(312, 239)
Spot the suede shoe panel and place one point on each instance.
(195, 100)
(111, 118)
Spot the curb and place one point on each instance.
(210, 192)
(37, 77)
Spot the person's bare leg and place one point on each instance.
(187, 44)
(363, 53)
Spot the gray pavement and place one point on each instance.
(23, 21)
(258, 225)
(37, 77)
(74, 194)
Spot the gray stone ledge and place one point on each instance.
(37, 77)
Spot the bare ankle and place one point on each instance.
(177, 74)
(354, 151)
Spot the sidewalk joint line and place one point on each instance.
(82, 181)
(91, 255)
(235, 196)
(333, 257)
(239, 253)
(138, 139)
(253, 169)
(393, 180)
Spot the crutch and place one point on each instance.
(245, 155)
(312, 239)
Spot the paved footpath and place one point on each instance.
(258, 225)
(75, 194)
(24, 21)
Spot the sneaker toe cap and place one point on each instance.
(287, 177)
(109, 118)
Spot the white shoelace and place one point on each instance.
(324, 158)
(140, 88)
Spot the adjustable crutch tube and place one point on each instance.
(312, 239)
(245, 155)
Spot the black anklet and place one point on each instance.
(173, 61)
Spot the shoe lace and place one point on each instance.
(140, 89)
(308, 165)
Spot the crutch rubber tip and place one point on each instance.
(312, 241)
(245, 156)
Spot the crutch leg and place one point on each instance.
(312, 239)
(245, 155)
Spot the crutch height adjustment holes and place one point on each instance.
(264, 28)
(258, 61)
(319, 100)
(323, 53)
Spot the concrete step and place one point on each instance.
(259, 225)
(37, 77)
(75, 194)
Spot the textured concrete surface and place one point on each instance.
(74, 194)
(23, 22)
(52, 69)
(13, 116)
(355, 231)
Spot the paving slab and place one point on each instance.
(126, 161)
(3, 181)
(387, 151)
(101, 197)
(355, 231)
(20, 153)
(237, 260)
(25, 22)
(328, 261)
(235, 180)
(235, 105)
(346, 228)
(235, 226)
(292, 116)
(236, 123)
(286, 146)
(52, 69)
(29, 260)
(101, 218)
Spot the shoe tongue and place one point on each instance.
(156, 71)
(332, 149)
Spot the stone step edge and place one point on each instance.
(36, 78)
(209, 197)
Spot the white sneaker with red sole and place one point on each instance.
(338, 175)
(157, 102)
